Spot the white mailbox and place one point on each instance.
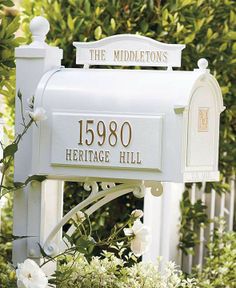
(128, 124)
(116, 130)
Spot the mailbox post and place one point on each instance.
(38, 206)
(135, 128)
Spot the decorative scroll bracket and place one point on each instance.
(128, 50)
(109, 192)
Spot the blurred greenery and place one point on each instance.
(9, 24)
(206, 27)
(220, 263)
(7, 272)
(192, 217)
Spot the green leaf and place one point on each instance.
(10, 150)
(113, 24)
(69, 239)
(18, 184)
(190, 38)
(144, 26)
(38, 178)
(70, 22)
(20, 40)
(231, 35)
(209, 33)
(98, 33)
(185, 2)
(13, 26)
(223, 47)
(42, 251)
(87, 7)
(7, 3)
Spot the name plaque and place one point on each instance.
(103, 140)
(128, 50)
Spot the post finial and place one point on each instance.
(39, 27)
(202, 64)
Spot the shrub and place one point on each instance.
(220, 265)
(110, 271)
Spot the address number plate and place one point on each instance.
(103, 140)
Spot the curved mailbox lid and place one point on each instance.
(143, 96)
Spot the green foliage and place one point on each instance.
(192, 217)
(112, 272)
(220, 265)
(7, 273)
(9, 24)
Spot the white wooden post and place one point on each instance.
(162, 216)
(1, 154)
(32, 61)
(231, 203)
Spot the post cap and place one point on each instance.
(39, 27)
(202, 64)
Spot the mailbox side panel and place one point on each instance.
(201, 158)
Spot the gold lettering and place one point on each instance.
(141, 56)
(159, 56)
(116, 55)
(127, 158)
(81, 156)
(90, 155)
(68, 154)
(91, 54)
(75, 158)
(103, 53)
(132, 158)
(107, 156)
(152, 56)
(95, 156)
(97, 55)
(101, 156)
(126, 55)
(138, 158)
(203, 119)
(147, 55)
(122, 157)
(165, 55)
(132, 56)
(86, 155)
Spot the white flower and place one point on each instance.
(29, 275)
(39, 114)
(79, 216)
(142, 237)
(137, 213)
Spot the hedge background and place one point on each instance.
(206, 27)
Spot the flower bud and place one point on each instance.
(80, 216)
(137, 214)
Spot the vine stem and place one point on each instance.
(7, 163)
